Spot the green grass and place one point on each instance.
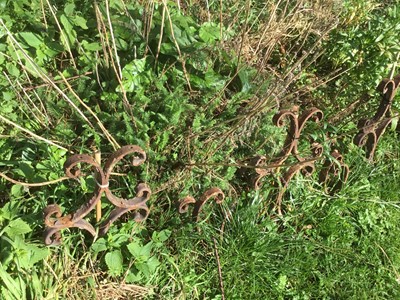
(196, 84)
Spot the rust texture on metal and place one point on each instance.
(55, 221)
(371, 130)
(334, 173)
(290, 147)
(255, 175)
(213, 193)
(305, 165)
(296, 127)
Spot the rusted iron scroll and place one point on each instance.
(213, 193)
(253, 176)
(296, 127)
(334, 173)
(55, 221)
(290, 147)
(372, 129)
(304, 165)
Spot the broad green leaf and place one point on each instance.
(68, 30)
(114, 262)
(153, 264)
(12, 70)
(91, 46)
(79, 21)
(148, 267)
(17, 190)
(69, 9)
(28, 254)
(143, 268)
(7, 96)
(136, 75)
(115, 240)
(141, 253)
(17, 227)
(99, 245)
(161, 236)
(131, 277)
(32, 39)
(134, 248)
(168, 48)
(209, 32)
(8, 211)
(33, 68)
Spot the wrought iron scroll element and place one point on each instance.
(213, 193)
(296, 127)
(305, 165)
(53, 218)
(247, 174)
(372, 129)
(334, 175)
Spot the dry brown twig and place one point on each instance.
(221, 282)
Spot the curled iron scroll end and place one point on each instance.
(49, 211)
(317, 150)
(141, 212)
(51, 235)
(252, 172)
(71, 168)
(215, 193)
(313, 113)
(143, 191)
(388, 87)
(138, 205)
(367, 139)
(139, 157)
(183, 205)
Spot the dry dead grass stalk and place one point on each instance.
(281, 22)
(70, 278)
(114, 291)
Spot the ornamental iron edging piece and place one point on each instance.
(296, 127)
(213, 193)
(333, 175)
(305, 165)
(290, 147)
(53, 218)
(372, 129)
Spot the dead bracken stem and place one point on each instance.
(221, 282)
(97, 157)
(112, 141)
(181, 59)
(36, 184)
(4, 119)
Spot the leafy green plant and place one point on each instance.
(127, 256)
(18, 256)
